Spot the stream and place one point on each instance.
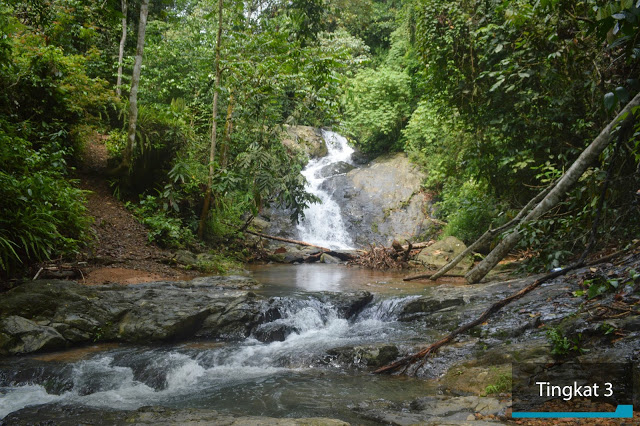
(296, 377)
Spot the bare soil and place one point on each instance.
(120, 251)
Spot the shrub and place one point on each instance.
(164, 230)
(43, 214)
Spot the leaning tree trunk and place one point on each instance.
(484, 239)
(212, 151)
(588, 156)
(123, 40)
(127, 158)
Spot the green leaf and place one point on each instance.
(496, 85)
(610, 101)
(622, 94)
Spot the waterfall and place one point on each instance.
(322, 224)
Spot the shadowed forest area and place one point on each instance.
(493, 100)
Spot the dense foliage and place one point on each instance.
(47, 101)
(507, 96)
(493, 99)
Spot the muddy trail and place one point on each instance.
(120, 251)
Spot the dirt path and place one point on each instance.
(120, 252)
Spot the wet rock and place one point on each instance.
(347, 304)
(327, 258)
(442, 252)
(427, 305)
(291, 253)
(435, 410)
(235, 320)
(305, 140)
(360, 158)
(231, 282)
(370, 356)
(45, 315)
(335, 169)
(468, 379)
(381, 201)
(18, 335)
(276, 257)
(273, 332)
(157, 416)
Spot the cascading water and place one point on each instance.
(261, 377)
(322, 224)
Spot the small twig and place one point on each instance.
(38, 273)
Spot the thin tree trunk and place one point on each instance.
(127, 158)
(212, 151)
(588, 156)
(123, 40)
(227, 132)
(485, 238)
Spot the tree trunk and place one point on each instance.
(228, 129)
(127, 158)
(485, 238)
(123, 40)
(212, 151)
(588, 156)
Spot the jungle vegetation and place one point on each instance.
(493, 99)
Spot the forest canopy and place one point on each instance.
(493, 99)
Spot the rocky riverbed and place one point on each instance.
(225, 350)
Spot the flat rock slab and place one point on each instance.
(44, 315)
(48, 315)
(157, 416)
(435, 410)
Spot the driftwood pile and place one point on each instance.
(395, 257)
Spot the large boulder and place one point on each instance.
(370, 356)
(442, 252)
(382, 201)
(304, 140)
(18, 335)
(44, 315)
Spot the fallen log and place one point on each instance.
(485, 238)
(421, 245)
(286, 240)
(623, 122)
(427, 275)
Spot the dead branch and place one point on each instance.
(286, 240)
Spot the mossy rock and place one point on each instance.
(444, 251)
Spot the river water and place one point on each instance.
(291, 378)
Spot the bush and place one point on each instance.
(378, 104)
(43, 214)
(164, 230)
(467, 209)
